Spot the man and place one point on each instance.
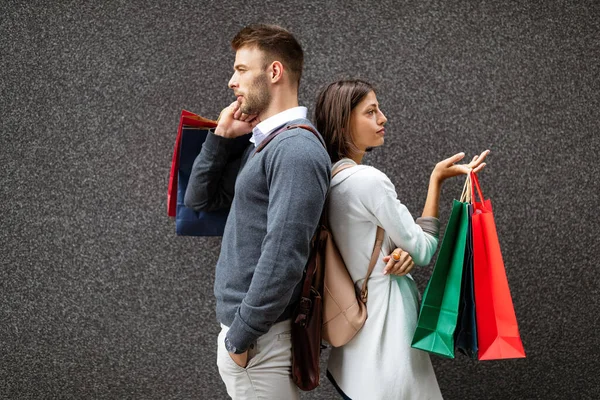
(276, 196)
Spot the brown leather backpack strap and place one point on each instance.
(270, 137)
(364, 292)
(284, 128)
(304, 307)
(311, 129)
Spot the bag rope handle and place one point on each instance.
(466, 196)
(475, 185)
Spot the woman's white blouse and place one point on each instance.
(378, 363)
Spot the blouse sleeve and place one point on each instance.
(419, 238)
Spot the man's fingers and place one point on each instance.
(254, 121)
(229, 109)
(237, 113)
(241, 116)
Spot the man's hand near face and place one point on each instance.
(233, 123)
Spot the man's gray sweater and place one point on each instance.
(276, 204)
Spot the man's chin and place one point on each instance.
(250, 111)
(247, 110)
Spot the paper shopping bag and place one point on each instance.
(187, 221)
(439, 308)
(497, 330)
(466, 330)
(191, 134)
(186, 121)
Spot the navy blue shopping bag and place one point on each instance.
(187, 119)
(191, 134)
(187, 221)
(466, 330)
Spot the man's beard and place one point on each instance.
(258, 97)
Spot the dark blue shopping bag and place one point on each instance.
(187, 221)
(187, 119)
(466, 330)
(191, 134)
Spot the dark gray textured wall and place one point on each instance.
(98, 297)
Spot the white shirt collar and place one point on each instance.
(262, 130)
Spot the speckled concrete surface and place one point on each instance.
(98, 297)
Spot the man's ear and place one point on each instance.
(276, 71)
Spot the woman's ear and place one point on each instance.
(276, 71)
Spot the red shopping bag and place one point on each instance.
(187, 119)
(497, 330)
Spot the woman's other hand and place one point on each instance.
(399, 263)
(447, 168)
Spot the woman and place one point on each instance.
(379, 363)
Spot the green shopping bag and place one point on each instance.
(439, 308)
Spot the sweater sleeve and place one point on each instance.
(212, 180)
(298, 174)
(419, 238)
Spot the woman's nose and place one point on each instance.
(382, 118)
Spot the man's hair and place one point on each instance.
(276, 43)
(333, 111)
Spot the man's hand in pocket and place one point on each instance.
(240, 359)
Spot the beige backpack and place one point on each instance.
(344, 307)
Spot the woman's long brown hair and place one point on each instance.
(332, 114)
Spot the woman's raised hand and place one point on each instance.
(448, 168)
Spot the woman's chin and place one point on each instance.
(368, 149)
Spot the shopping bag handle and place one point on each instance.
(475, 185)
(466, 195)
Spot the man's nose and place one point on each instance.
(233, 81)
